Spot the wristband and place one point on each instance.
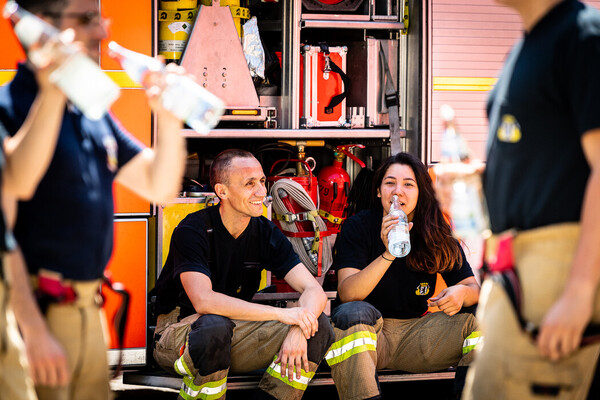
(382, 256)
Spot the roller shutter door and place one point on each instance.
(469, 42)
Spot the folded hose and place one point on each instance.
(303, 246)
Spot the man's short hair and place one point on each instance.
(220, 169)
(42, 6)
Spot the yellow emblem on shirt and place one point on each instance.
(110, 144)
(422, 289)
(509, 130)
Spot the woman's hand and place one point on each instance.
(386, 226)
(387, 223)
(449, 300)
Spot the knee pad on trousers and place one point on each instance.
(318, 345)
(356, 312)
(209, 343)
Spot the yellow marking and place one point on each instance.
(240, 12)
(119, 77)
(244, 112)
(6, 76)
(467, 84)
(122, 79)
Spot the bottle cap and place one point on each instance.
(10, 8)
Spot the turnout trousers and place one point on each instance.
(205, 349)
(509, 365)
(365, 342)
(15, 382)
(79, 328)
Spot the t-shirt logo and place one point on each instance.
(110, 144)
(509, 130)
(422, 289)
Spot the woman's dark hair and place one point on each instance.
(433, 249)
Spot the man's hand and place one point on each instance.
(52, 55)
(156, 83)
(301, 317)
(446, 174)
(47, 360)
(563, 325)
(449, 300)
(293, 354)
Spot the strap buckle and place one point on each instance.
(298, 217)
(331, 218)
(392, 100)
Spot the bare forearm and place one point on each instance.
(24, 306)
(585, 272)
(359, 285)
(313, 299)
(169, 160)
(233, 308)
(29, 152)
(471, 294)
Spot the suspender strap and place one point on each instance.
(391, 102)
(330, 217)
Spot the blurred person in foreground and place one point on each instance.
(542, 185)
(66, 229)
(23, 161)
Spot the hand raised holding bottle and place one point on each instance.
(458, 182)
(78, 76)
(180, 94)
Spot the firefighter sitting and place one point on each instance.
(383, 320)
(207, 327)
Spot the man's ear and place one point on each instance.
(220, 190)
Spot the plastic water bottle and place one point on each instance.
(199, 108)
(398, 237)
(468, 208)
(78, 76)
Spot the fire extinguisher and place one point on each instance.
(175, 21)
(334, 187)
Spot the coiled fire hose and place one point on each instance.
(305, 247)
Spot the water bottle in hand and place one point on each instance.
(183, 97)
(467, 208)
(77, 76)
(398, 237)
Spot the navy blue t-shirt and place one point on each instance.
(262, 243)
(68, 224)
(547, 97)
(402, 292)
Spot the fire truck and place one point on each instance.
(318, 81)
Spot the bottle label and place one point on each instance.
(171, 45)
(399, 240)
(86, 85)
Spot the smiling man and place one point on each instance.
(207, 325)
